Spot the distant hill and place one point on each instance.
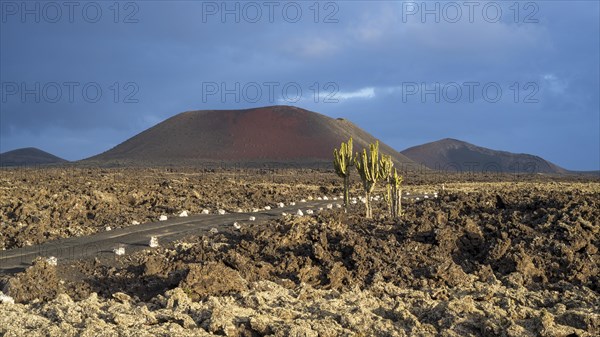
(28, 157)
(276, 134)
(455, 155)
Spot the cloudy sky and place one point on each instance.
(80, 77)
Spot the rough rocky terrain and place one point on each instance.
(38, 205)
(482, 259)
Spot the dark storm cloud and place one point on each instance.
(176, 52)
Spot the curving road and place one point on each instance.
(134, 238)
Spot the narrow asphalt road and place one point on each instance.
(134, 238)
(137, 237)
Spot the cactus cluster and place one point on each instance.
(371, 169)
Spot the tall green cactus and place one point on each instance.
(396, 194)
(342, 160)
(369, 170)
(386, 164)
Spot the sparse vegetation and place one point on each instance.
(395, 189)
(386, 166)
(342, 161)
(371, 169)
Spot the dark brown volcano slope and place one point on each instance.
(27, 157)
(455, 155)
(280, 134)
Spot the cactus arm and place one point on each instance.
(342, 160)
(369, 169)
